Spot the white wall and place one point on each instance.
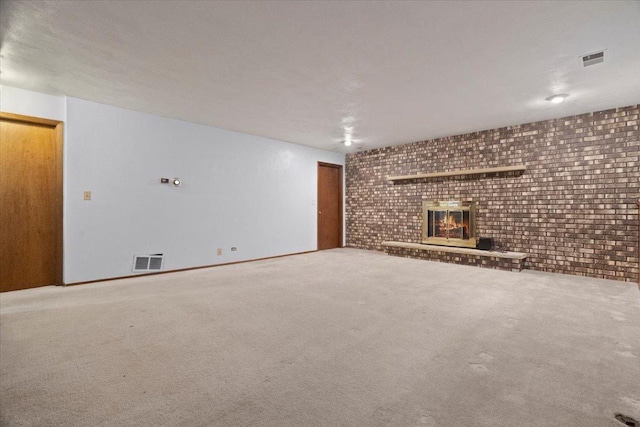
(237, 190)
(27, 103)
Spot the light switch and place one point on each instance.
(87, 195)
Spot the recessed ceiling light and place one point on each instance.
(557, 99)
(347, 142)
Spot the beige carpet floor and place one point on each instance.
(334, 338)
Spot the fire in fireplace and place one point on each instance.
(451, 223)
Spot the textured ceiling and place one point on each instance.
(309, 72)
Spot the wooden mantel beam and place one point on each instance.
(516, 168)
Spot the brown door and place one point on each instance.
(30, 202)
(329, 206)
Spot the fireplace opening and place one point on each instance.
(450, 223)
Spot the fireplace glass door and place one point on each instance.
(449, 223)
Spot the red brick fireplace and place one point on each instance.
(572, 211)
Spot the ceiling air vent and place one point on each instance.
(593, 59)
(152, 262)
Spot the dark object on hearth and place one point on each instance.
(485, 243)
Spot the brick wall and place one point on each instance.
(573, 211)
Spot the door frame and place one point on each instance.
(59, 150)
(341, 190)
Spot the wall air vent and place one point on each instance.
(593, 59)
(153, 262)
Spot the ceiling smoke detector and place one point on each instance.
(592, 59)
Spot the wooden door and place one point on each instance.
(329, 206)
(30, 202)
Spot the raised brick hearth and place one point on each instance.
(511, 261)
(573, 210)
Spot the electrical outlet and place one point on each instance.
(87, 195)
(219, 251)
(233, 249)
